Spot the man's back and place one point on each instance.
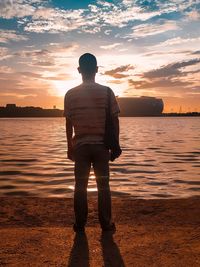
(86, 105)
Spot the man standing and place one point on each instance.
(85, 111)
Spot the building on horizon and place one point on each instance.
(129, 106)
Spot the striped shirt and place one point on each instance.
(85, 105)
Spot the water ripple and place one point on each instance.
(161, 158)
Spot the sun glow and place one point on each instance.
(61, 87)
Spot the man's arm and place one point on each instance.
(115, 111)
(69, 132)
(116, 126)
(116, 151)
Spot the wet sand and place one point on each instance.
(38, 232)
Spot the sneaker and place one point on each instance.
(78, 229)
(109, 228)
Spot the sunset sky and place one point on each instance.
(143, 47)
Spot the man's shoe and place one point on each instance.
(109, 228)
(78, 229)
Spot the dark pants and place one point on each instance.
(98, 156)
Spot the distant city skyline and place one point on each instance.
(143, 47)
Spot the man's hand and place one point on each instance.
(70, 154)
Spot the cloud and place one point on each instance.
(193, 15)
(168, 52)
(158, 83)
(118, 72)
(39, 66)
(119, 15)
(50, 56)
(168, 80)
(56, 20)
(28, 88)
(170, 69)
(44, 76)
(29, 74)
(18, 82)
(33, 53)
(18, 8)
(109, 47)
(91, 19)
(37, 16)
(173, 5)
(11, 35)
(144, 30)
(5, 69)
(43, 63)
(4, 53)
(117, 75)
(62, 48)
(178, 41)
(115, 81)
(196, 52)
(51, 49)
(58, 77)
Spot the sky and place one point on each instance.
(143, 48)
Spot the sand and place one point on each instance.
(38, 232)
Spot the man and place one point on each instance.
(85, 111)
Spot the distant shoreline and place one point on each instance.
(144, 107)
(192, 114)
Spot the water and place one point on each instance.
(161, 158)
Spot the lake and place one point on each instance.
(161, 158)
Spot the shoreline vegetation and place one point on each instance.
(154, 232)
(13, 111)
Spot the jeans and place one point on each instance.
(98, 156)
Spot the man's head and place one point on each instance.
(88, 65)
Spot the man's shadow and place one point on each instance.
(111, 253)
(79, 255)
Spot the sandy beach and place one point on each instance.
(38, 232)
